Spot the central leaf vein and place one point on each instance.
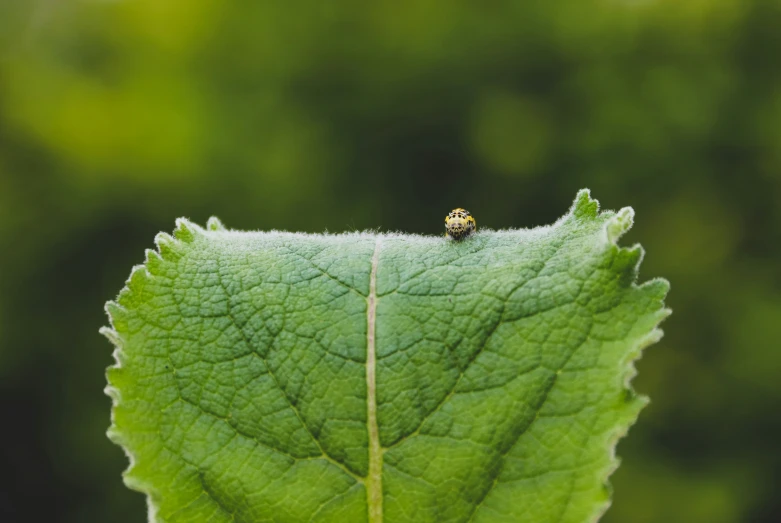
(374, 481)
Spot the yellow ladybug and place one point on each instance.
(459, 224)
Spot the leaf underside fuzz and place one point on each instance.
(497, 380)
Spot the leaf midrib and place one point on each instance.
(374, 479)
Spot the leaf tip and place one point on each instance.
(619, 224)
(655, 335)
(139, 275)
(113, 393)
(152, 260)
(112, 335)
(186, 230)
(167, 246)
(656, 288)
(584, 205)
(116, 312)
(214, 224)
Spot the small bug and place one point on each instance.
(459, 224)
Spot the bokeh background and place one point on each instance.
(118, 116)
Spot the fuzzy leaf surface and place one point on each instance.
(252, 368)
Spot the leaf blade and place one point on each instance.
(242, 372)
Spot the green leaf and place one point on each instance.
(269, 376)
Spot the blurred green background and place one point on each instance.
(118, 116)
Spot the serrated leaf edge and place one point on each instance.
(168, 247)
(614, 228)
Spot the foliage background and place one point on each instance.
(118, 116)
